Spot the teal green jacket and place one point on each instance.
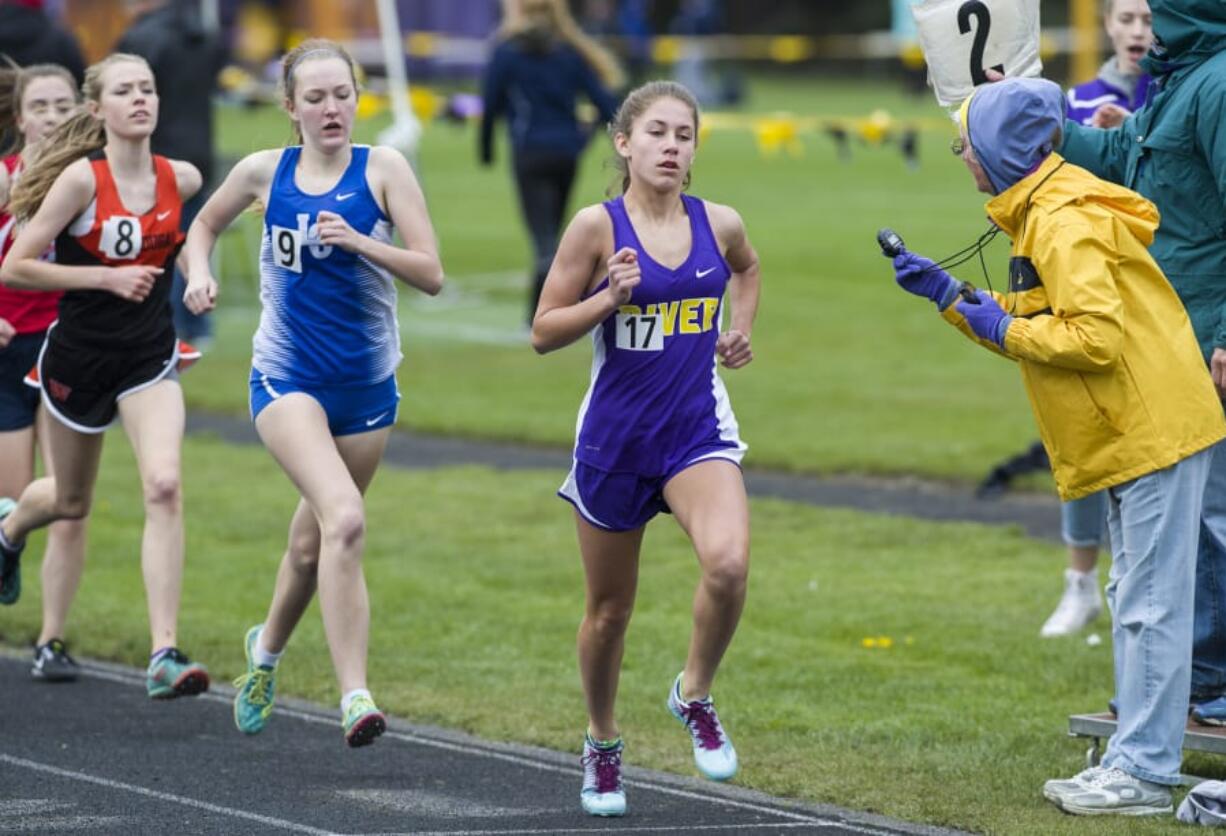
(1173, 151)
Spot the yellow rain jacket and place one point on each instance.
(1112, 369)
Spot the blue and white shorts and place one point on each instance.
(350, 409)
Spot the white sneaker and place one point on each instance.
(602, 793)
(714, 754)
(1102, 791)
(1080, 605)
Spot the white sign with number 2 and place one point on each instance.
(962, 39)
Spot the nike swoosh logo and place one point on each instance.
(707, 272)
(345, 196)
(376, 419)
(164, 215)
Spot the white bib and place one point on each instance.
(962, 38)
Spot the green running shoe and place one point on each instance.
(174, 675)
(256, 690)
(363, 722)
(10, 562)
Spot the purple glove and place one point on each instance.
(987, 319)
(921, 276)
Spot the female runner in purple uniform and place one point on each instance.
(645, 274)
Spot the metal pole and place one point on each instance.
(210, 16)
(1083, 15)
(405, 131)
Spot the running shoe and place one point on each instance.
(174, 675)
(713, 751)
(1210, 712)
(52, 662)
(10, 561)
(256, 690)
(1100, 791)
(188, 355)
(363, 722)
(1080, 604)
(602, 793)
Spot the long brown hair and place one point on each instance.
(309, 50)
(14, 81)
(562, 25)
(635, 105)
(80, 135)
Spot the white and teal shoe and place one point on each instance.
(602, 793)
(713, 751)
(256, 689)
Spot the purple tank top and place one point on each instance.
(655, 392)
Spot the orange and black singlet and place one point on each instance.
(107, 233)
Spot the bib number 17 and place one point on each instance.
(640, 332)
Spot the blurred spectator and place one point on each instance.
(701, 19)
(1173, 151)
(541, 63)
(1102, 102)
(185, 59)
(1120, 86)
(626, 26)
(28, 36)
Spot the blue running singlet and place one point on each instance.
(329, 316)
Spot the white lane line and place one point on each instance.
(162, 796)
(66, 824)
(686, 828)
(535, 764)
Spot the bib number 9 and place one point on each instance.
(640, 332)
(121, 238)
(287, 248)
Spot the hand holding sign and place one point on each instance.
(967, 42)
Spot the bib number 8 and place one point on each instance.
(640, 332)
(121, 238)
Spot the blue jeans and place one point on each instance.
(1209, 633)
(1154, 524)
(1081, 520)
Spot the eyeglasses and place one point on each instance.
(957, 147)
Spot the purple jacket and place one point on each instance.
(1109, 87)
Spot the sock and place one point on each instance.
(264, 658)
(602, 744)
(159, 653)
(8, 544)
(348, 699)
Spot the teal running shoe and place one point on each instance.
(363, 722)
(10, 561)
(174, 675)
(256, 690)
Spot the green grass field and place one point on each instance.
(850, 373)
(958, 723)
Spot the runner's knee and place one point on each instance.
(725, 569)
(304, 551)
(345, 522)
(162, 489)
(609, 619)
